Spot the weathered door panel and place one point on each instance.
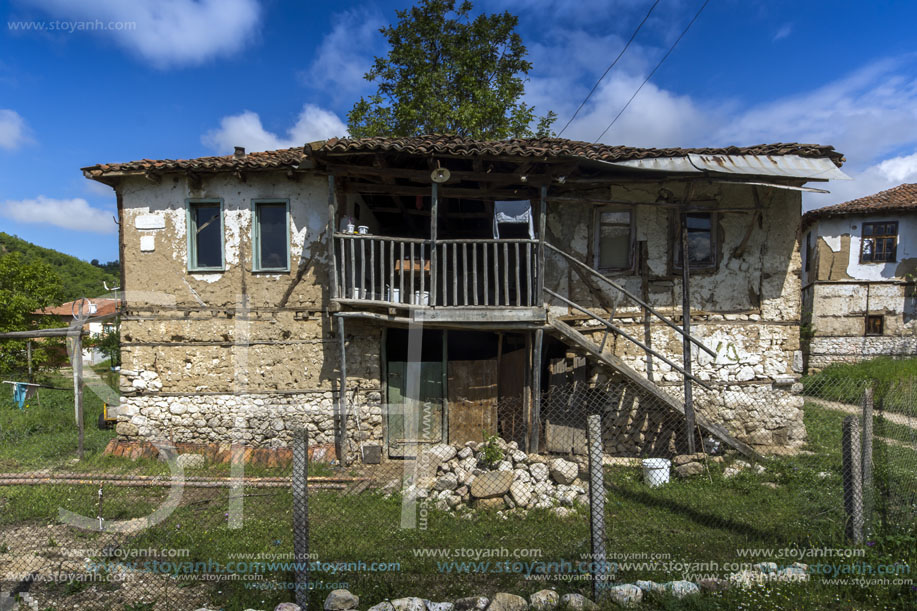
(472, 400)
(512, 386)
(414, 420)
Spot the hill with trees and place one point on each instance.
(77, 277)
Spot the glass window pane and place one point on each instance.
(867, 229)
(867, 250)
(614, 247)
(208, 236)
(272, 228)
(621, 217)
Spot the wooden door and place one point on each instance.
(472, 390)
(414, 420)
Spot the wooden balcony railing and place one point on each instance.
(456, 273)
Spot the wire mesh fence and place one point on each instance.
(771, 494)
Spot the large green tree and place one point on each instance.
(449, 73)
(24, 288)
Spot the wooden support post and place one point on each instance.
(341, 443)
(600, 572)
(542, 213)
(535, 433)
(301, 515)
(686, 327)
(434, 217)
(28, 352)
(867, 453)
(853, 479)
(645, 295)
(332, 228)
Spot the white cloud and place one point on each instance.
(346, 54)
(166, 32)
(13, 130)
(878, 177)
(783, 31)
(245, 129)
(75, 214)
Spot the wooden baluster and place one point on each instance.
(372, 267)
(474, 271)
(353, 269)
(484, 247)
(464, 273)
(518, 289)
(496, 273)
(455, 295)
(422, 274)
(506, 274)
(362, 270)
(411, 263)
(401, 298)
(528, 274)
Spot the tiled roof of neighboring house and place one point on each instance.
(104, 307)
(459, 146)
(280, 159)
(557, 148)
(896, 199)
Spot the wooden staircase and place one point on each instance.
(582, 344)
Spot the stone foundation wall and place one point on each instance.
(824, 351)
(259, 420)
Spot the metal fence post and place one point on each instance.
(599, 565)
(853, 479)
(301, 515)
(867, 456)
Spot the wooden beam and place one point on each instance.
(686, 321)
(455, 192)
(57, 332)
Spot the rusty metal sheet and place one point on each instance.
(789, 166)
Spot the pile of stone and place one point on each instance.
(544, 600)
(457, 478)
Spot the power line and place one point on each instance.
(646, 80)
(607, 70)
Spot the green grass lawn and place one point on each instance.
(893, 380)
(796, 502)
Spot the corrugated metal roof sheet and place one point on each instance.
(787, 166)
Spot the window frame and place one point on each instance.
(256, 234)
(864, 237)
(597, 235)
(881, 320)
(192, 244)
(714, 243)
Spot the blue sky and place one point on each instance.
(185, 78)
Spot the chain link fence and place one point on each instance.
(783, 481)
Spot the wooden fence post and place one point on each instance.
(853, 479)
(301, 515)
(867, 454)
(599, 564)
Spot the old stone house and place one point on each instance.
(859, 262)
(458, 282)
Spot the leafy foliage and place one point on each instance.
(76, 278)
(109, 342)
(447, 73)
(493, 454)
(25, 286)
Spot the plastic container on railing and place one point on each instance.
(656, 471)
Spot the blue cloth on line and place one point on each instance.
(19, 393)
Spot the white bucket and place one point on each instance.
(422, 298)
(393, 294)
(656, 471)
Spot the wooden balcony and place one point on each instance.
(455, 280)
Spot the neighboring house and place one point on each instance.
(100, 313)
(245, 283)
(860, 258)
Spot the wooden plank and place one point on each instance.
(472, 395)
(474, 271)
(35, 333)
(512, 420)
(486, 276)
(455, 297)
(535, 432)
(506, 273)
(464, 274)
(518, 286)
(332, 220)
(479, 314)
(571, 337)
